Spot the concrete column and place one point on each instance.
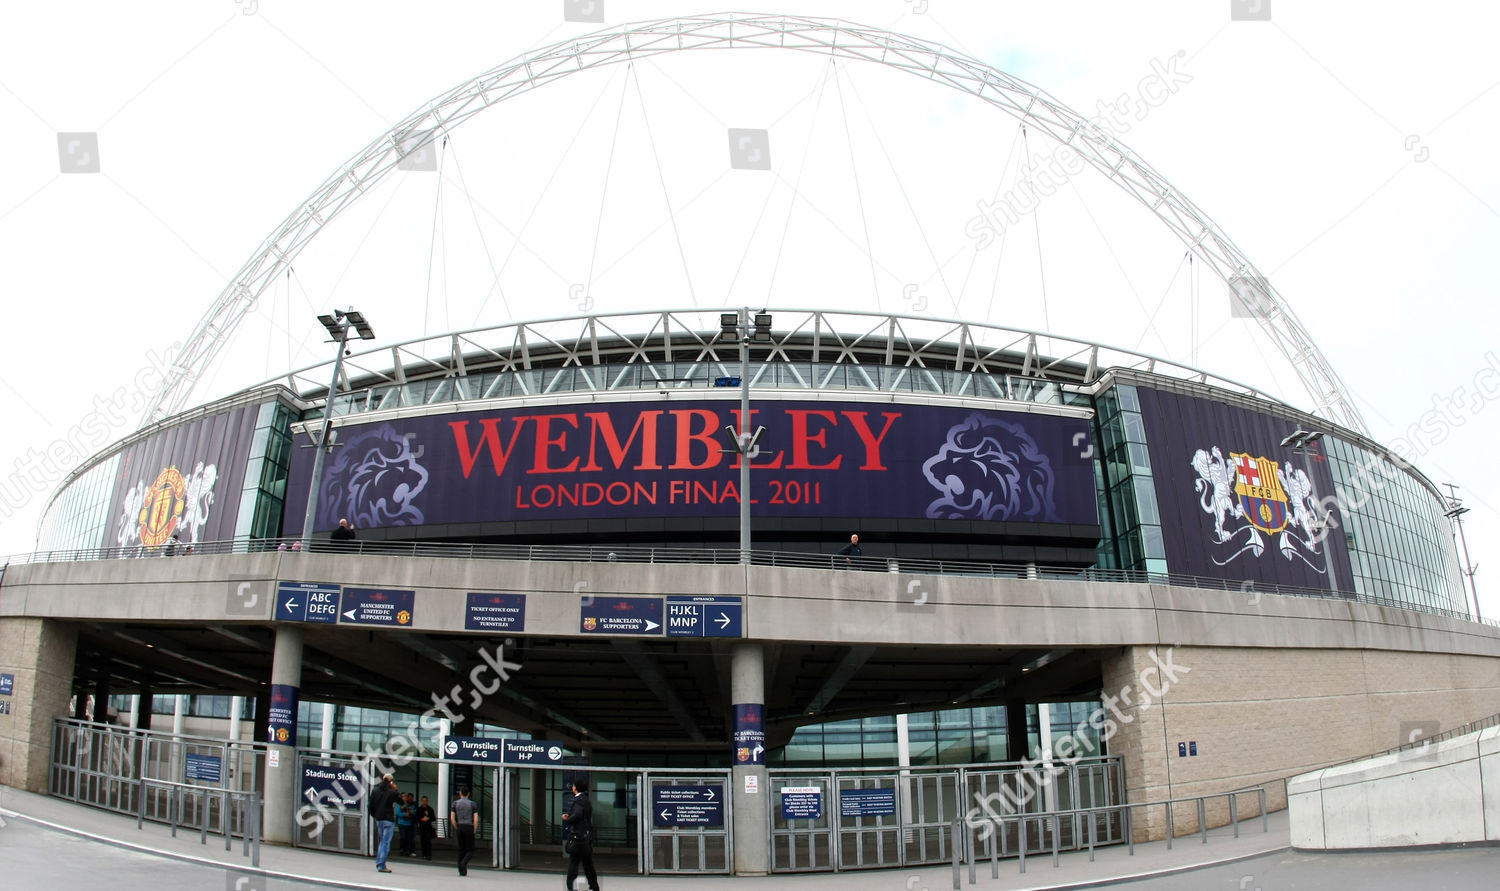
(146, 709)
(281, 776)
(1140, 739)
(175, 761)
(1017, 741)
(80, 705)
(326, 741)
(747, 687)
(903, 760)
(1044, 732)
(135, 711)
(445, 795)
(236, 706)
(100, 713)
(262, 708)
(39, 653)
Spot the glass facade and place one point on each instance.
(1131, 523)
(1400, 540)
(77, 519)
(264, 495)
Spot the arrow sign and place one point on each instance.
(378, 606)
(620, 615)
(704, 616)
(350, 615)
(723, 621)
(687, 805)
(307, 602)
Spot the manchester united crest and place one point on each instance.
(162, 508)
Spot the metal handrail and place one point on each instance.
(727, 556)
(1124, 811)
(244, 804)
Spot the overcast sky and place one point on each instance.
(1347, 148)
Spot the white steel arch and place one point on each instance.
(835, 38)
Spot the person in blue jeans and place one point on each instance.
(383, 800)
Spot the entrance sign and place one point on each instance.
(532, 752)
(867, 802)
(472, 748)
(687, 805)
(495, 612)
(801, 802)
(620, 615)
(331, 785)
(208, 768)
(307, 602)
(371, 606)
(705, 616)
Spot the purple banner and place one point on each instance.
(655, 459)
(749, 733)
(1234, 503)
(281, 720)
(185, 480)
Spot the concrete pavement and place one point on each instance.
(45, 818)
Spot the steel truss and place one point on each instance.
(838, 39)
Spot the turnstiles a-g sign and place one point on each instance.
(525, 752)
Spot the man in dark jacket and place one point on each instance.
(426, 827)
(383, 810)
(578, 825)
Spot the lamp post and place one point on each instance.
(1300, 439)
(338, 326)
(1455, 512)
(737, 327)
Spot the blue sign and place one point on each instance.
(532, 752)
(307, 602)
(282, 718)
(472, 748)
(867, 802)
(495, 612)
(4, 706)
(687, 805)
(377, 606)
(705, 616)
(208, 768)
(331, 785)
(620, 615)
(749, 733)
(801, 802)
(7, 684)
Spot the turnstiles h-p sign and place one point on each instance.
(530, 752)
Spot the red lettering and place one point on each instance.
(686, 437)
(871, 441)
(801, 437)
(468, 456)
(601, 425)
(544, 442)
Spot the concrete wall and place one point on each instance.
(1260, 714)
(39, 652)
(1441, 794)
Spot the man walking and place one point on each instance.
(383, 809)
(463, 816)
(578, 826)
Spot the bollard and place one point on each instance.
(1091, 836)
(1021, 844)
(1234, 814)
(1265, 818)
(1056, 832)
(957, 877)
(1169, 825)
(1130, 829)
(1203, 819)
(969, 843)
(202, 803)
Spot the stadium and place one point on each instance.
(648, 513)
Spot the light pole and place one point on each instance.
(338, 326)
(736, 326)
(1300, 439)
(1455, 512)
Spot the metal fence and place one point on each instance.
(870, 818)
(184, 782)
(730, 556)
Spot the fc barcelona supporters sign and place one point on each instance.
(675, 459)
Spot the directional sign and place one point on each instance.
(371, 606)
(801, 802)
(495, 612)
(532, 752)
(879, 802)
(281, 717)
(705, 616)
(307, 602)
(331, 785)
(208, 768)
(7, 684)
(620, 615)
(749, 733)
(687, 805)
(472, 748)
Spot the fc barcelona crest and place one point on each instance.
(590, 623)
(1257, 485)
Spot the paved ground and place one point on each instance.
(41, 847)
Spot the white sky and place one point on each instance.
(1347, 148)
